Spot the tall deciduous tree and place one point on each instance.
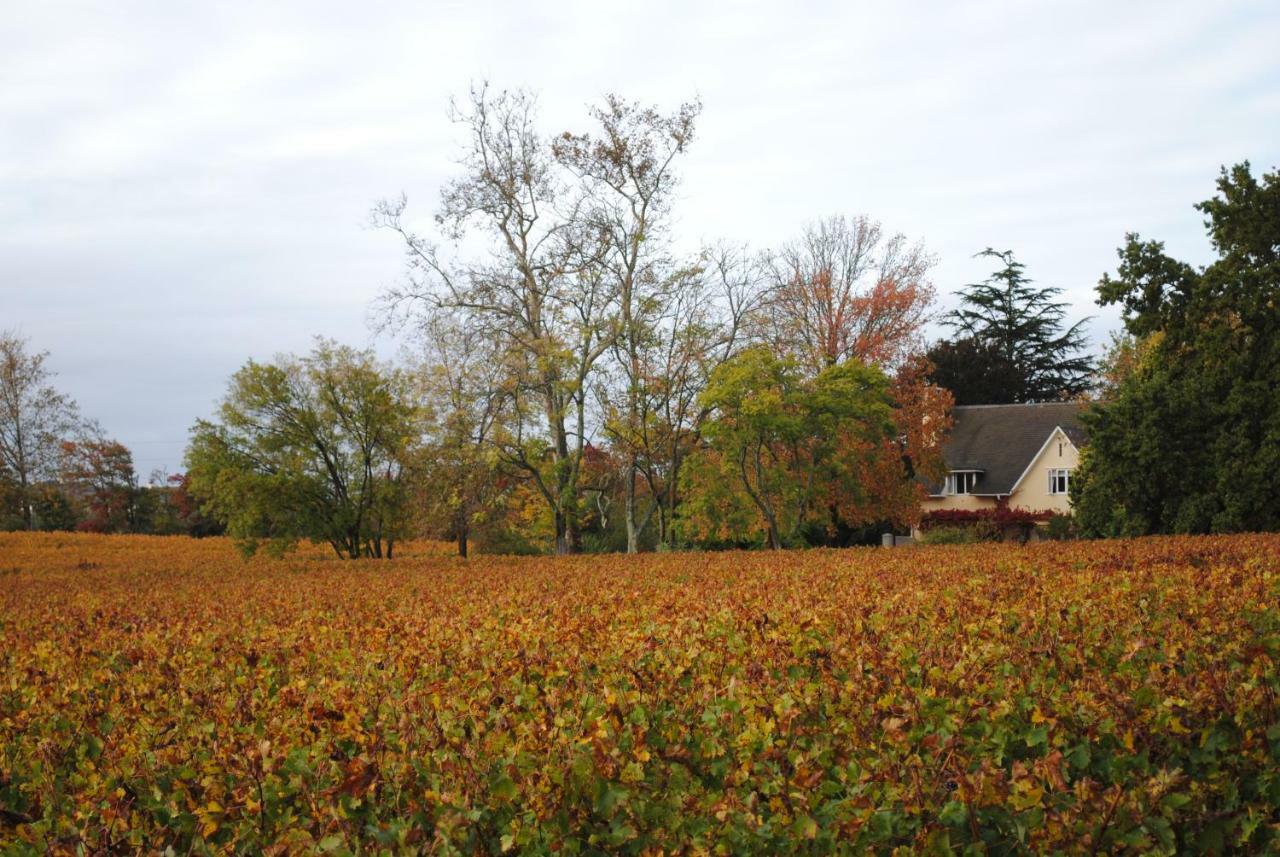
(1020, 328)
(703, 322)
(626, 166)
(34, 420)
(311, 448)
(536, 291)
(846, 290)
(1189, 438)
(97, 472)
(575, 272)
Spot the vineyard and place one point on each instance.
(1092, 696)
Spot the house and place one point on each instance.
(1013, 456)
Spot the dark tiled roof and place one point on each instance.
(1002, 440)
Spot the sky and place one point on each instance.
(186, 186)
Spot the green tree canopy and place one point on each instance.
(779, 444)
(1012, 343)
(312, 447)
(1189, 439)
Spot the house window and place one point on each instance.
(961, 482)
(1059, 481)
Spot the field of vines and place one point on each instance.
(1085, 697)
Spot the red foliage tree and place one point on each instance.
(98, 474)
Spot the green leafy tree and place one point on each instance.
(1012, 344)
(313, 447)
(779, 444)
(1189, 439)
(54, 510)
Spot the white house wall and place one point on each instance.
(1033, 492)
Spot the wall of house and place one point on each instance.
(1033, 493)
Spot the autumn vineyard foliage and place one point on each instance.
(1110, 696)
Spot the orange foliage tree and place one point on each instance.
(844, 291)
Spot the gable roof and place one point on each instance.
(1003, 440)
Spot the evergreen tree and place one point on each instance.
(1018, 340)
(976, 372)
(1189, 439)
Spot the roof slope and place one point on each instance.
(1002, 440)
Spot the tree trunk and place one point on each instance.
(633, 533)
(775, 541)
(564, 542)
(462, 540)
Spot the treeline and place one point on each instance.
(576, 382)
(60, 471)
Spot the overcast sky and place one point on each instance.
(185, 186)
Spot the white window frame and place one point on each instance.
(1054, 474)
(961, 479)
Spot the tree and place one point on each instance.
(34, 420)
(975, 371)
(702, 323)
(569, 274)
(627, 170)
(98, 474)
(784, 444)
(313, 447)
(1019, 328)
(186, 509)
(887, 486)
(845, 290)
(1126, 356)
(460, 376)
(1189, 439)
(533, 293)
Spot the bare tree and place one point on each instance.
(539, 291)
(34, 420)
(845, 289)
(626, 168)
(708, 316)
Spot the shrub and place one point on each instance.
(949, 536)
(1060, 528)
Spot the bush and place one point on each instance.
(949, 536)
(1060, 528)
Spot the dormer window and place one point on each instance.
(961, 481)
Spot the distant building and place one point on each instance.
(1019, 456)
